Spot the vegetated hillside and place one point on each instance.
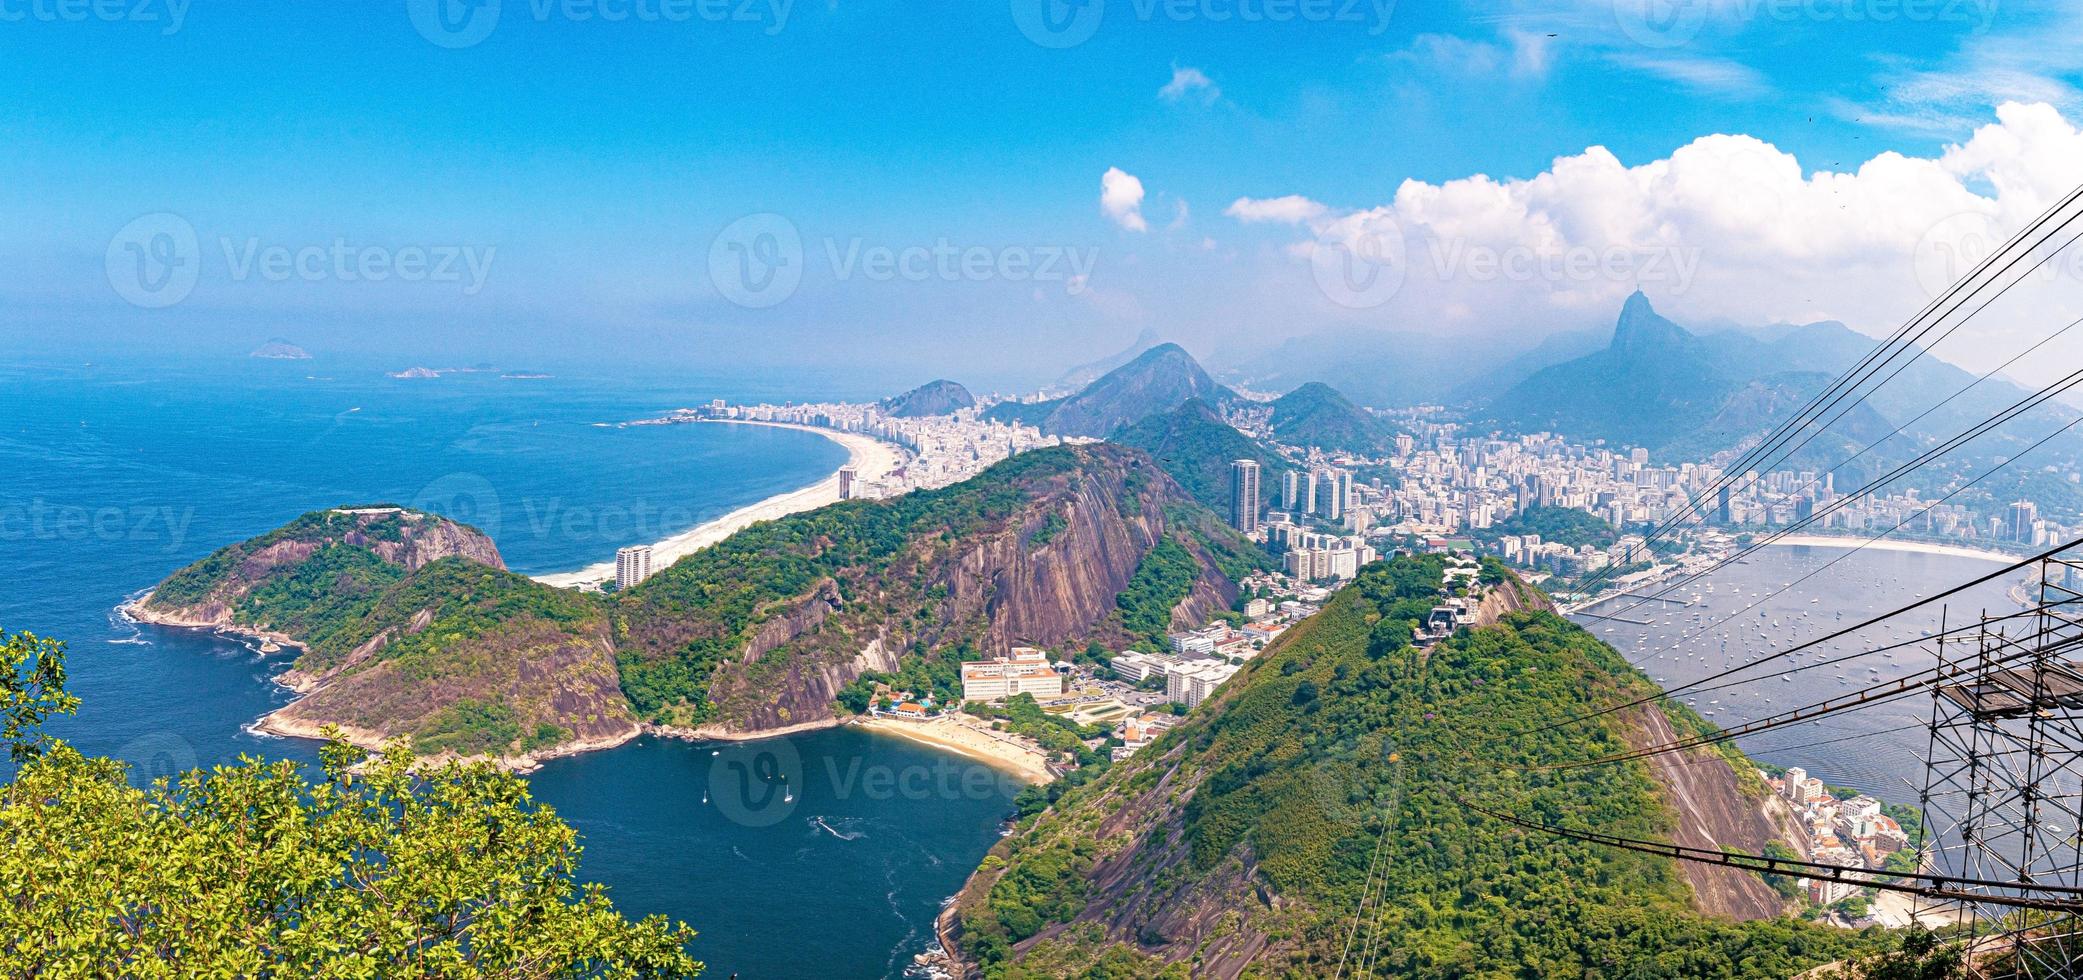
(1652, 386)
(941, 397)
(1084, 374)
(1196, 447)
(1316, 415)
(1242, 842)
(410, 625)
(765, 629)
(1562, 525)
(1156, 381)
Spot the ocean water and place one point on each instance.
(1819, 592)
(824, 854)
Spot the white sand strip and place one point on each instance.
(871, 458)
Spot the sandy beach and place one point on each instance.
(992, 748)
(1888, 544)
(872, 459)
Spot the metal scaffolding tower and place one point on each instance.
(2003, 793)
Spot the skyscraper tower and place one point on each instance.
(1244, 495)
(1291, 491)
(632, 565)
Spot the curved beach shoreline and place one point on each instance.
(871, 458)
(1888, 544)
(997, 750)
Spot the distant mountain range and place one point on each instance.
(1685, 395)
(941, 397)
(1155, 382)
(1317, 415)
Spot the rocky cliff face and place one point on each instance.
(209, 592)
(410, 625)
(1042, 565)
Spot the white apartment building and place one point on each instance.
(1192, 683)
(1025, 671)
(632, 565)
(1136, 667)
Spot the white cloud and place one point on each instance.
(1522, 53)
(1727, 227)
(1121, 199)
(1711, 75)
(1190, 81)
(1290, 210)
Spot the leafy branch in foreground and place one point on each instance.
(32, 688)
(375, 870)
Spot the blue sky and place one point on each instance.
(596, 162)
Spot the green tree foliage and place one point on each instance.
(1923, 956)
(1195, 446)
(1561, 525)
(1163, 580)
(688, 618)
(376, 870)
(32, 689)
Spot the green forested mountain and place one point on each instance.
(1317, 416)
(1243, 842)
(764, 629)
(1196, 447)
(1562, 525)
(1156, 381)
(1653, 385)
(409, 626)
(932, 398)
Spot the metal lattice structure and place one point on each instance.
(2003, 794)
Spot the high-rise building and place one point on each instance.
(632, 565)
(2023, 513)
(1244, 495)
(849, 480)
(1308, 493)
(1291, 491)
(1333, 486)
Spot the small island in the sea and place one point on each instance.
(277, 349)
(427, 372)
